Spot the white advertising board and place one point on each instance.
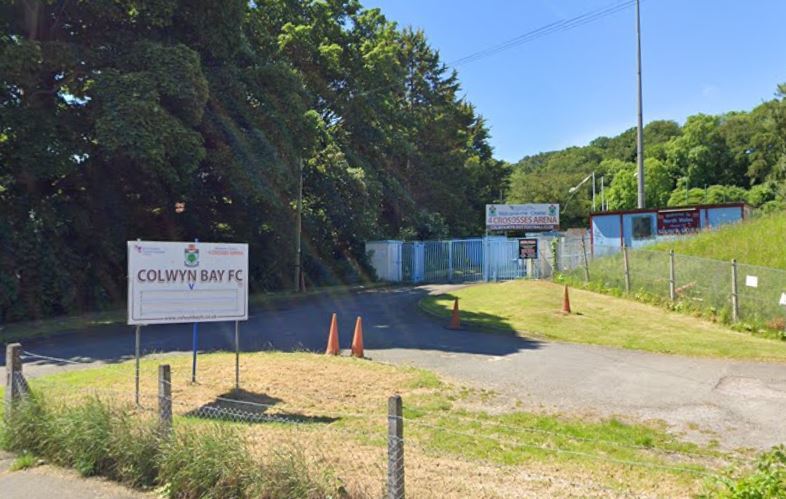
(171, 282)
(522, 216)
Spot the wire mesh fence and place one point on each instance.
(746, 293)
(395, 453)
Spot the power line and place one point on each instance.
(530, 36)
(548, 29)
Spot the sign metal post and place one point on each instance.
(186, 282)
(137, 341)
(237, 355)
(194, 346)
(194, 343)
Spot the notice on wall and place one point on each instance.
(172, 282)
(678, 221)
(752, 281)
(528, 248)
(522, 216)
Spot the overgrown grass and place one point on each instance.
(23, 462)
(702, 287)
(533, 308)
(93, 437)
(97, 437)
(446, 434)
(757, 241)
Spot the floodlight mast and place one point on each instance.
(640, 127)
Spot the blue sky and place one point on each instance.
(567, 88)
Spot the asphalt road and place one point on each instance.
(740, 404)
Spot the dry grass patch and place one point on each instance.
(331, 413)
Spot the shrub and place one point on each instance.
(767, 481)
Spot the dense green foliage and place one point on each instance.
(766, 481)
(112, 112)
(738, 156)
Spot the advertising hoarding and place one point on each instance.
(678, 221)
(173, 282)
(522, 216)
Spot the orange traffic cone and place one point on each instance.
(357, 339)
(332, 345)
(455, 321)
(566, 302)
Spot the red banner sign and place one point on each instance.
(678, 221)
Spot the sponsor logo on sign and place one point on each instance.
(191, 256)
(148, 250)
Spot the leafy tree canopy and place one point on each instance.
(113, 111)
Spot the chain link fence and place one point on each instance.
(728, 290)
(399, 453)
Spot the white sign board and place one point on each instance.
(171, 282)
(522, 216)
(752, 281)
(783, 299)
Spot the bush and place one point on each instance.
(767, 481)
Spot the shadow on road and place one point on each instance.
(391, 320)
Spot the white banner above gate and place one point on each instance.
(522, 216)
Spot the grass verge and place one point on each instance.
(320, 429)
(532, 308)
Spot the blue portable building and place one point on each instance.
(610, 230)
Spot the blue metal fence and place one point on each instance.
(462, 260)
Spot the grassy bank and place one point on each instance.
(757, 241)
(26, 330)
(703, 286)
(533, 308)
(326, 417)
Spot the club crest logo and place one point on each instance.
(191, 256)
(492, 210)
(552, 210)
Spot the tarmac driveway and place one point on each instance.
(741, 404)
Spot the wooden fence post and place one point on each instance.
(626, 268)
(672, 277)
(13, 369)
(165, 399)
(586, 263)
(735, 300)
(395, 448)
